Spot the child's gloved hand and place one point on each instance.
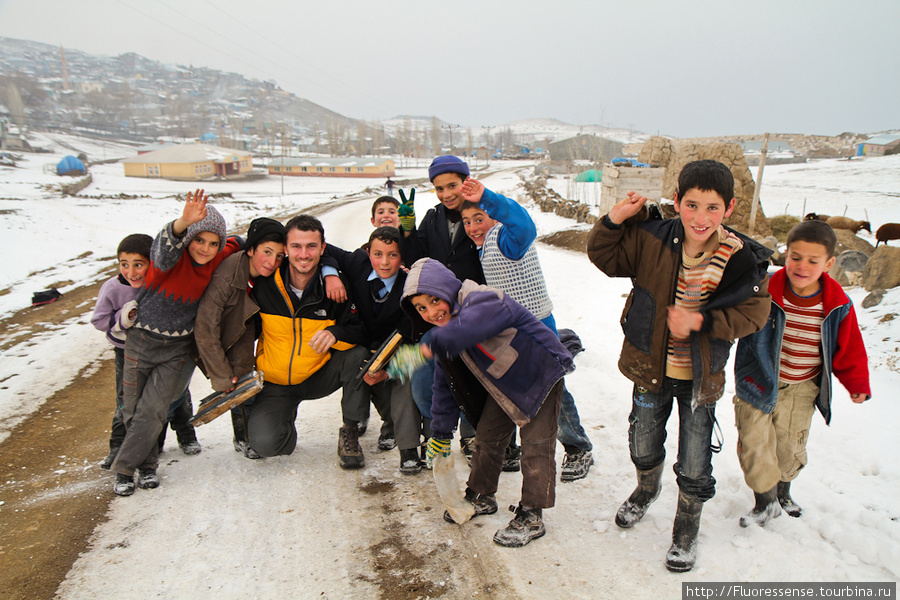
(407, 211)
(435, 447)
(406, 360)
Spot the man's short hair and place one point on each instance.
(305, 223)
(813, 232)
(706, 175)
(384, 200)
(136, 243)
(388, 235)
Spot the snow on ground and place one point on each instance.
(297, 526)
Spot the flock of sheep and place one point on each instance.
(888, 231)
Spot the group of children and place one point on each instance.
(482, 352)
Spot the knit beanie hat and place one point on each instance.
(447, 164)
(213, 222)
(260, 228)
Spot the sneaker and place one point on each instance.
(148, 479)
(576, 465)
(485, 504)
(467, 447)
(511, 459)
(107, 462)
(409, 461)
(124, 485)
(387, 443)
(190, 448)
(528, 524)
(362, 426)
(349, 450)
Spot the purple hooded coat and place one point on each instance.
(513, 355)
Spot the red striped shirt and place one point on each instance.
(801, 357)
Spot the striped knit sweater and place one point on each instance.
(698, 278)
(801, 358)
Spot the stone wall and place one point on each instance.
(673, 155)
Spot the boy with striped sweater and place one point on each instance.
(697, 286)
(783, 372)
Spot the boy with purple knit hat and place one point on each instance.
(158, 365)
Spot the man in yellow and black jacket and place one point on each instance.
(307, 349)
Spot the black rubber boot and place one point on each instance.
(647, 490)
(683, 553)
(766, 508)
(784, 499)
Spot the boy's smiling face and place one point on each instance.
(432, 309)
(385, 258)
(204, 247)
(477, 224)
(447, 186)
(386, 216)
(133, 267)
(265, 258)
(804, 264)
(701, 212)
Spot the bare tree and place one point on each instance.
(435, 136)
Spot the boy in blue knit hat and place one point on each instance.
(441, 236)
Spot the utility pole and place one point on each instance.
(759, 176)
(487, 144)
(450, 127)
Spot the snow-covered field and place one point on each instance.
(297, 526)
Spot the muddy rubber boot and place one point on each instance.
(683, 553)
(647, 490)
(766, 508)
(784, 499)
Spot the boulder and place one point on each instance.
(883, 269)
(848, 267)
(771, 242)
(847, 240)
(873, 299)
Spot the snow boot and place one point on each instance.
(683, 553)
(148, 479)
(485, 504)
(386, 442)
(362, 426)
(766, 508)
(124, 485)
(189, 444)
(409, 461)
(511, 459)
(784, 499)
(527, 525)
(646, 492)
(576, 465)
(240, 441)
(349, 450)
(107, 462)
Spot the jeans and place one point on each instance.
(570, 433)
(647, 435)
(422, 391)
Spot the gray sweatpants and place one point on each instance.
(157, 371)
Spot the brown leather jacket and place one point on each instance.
(226, 324)
(649, 252)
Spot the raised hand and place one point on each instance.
(407, 211)
(472, 189)
(627, 207)
(194, 207)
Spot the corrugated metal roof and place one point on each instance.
(189, 153)
(328, 162)
(882, 140)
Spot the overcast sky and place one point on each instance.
(671, 67)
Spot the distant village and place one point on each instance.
(194, 123)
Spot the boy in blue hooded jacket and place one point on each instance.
(518, 362)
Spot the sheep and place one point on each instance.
(888, 231)
(816, 217)
(849, 224)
